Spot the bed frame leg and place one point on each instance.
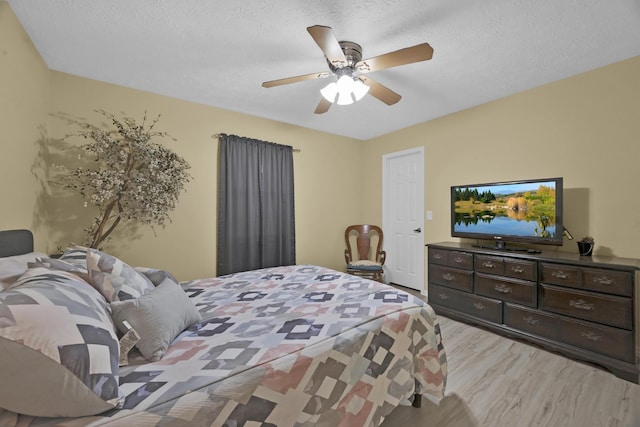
(417, 400)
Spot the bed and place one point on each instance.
(297, 345)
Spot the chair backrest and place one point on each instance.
(361, 236)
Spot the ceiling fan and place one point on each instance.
(346, 63)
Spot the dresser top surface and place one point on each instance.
(553, 256)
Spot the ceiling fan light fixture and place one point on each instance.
(347, 89)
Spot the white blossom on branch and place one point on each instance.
(132, 178)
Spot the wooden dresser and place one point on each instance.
(584, 307)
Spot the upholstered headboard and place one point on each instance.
(15, 242)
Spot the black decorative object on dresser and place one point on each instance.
(584, 307)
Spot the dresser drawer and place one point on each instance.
(512, 290)
(489, 264)
(601, 308)
(608, 281)
(564, 275)
(532, 321)
(438, 256)
(461, 260)
(451, 277)
(474, 305)
(601, 339)
(521, 269)
(457, 259)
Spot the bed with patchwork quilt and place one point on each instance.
(296, 345)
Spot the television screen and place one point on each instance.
(526, 211)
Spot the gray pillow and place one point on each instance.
(158, 317)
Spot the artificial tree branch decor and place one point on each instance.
(131, 178)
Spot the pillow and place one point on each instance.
(158, 317)
(75, 255)
(156, 276)
(12, 267)
(58, 264)
(58, 347)
(115, 279)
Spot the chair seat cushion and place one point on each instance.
(365, 265)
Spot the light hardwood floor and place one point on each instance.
(499, 382)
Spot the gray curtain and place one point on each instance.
(256, 222)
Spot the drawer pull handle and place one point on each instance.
(479, 306)
(437, 256)
(530, 320)
(517, 269)
(604, 280)
(591, 336)
(560, 275)
(581, 304)
(503, 289)
(458, 260)
(448, 277)
(488, 264)
(444, 296)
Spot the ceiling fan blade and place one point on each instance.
(381, 92)
(296, 79)
(326, 40)
(323, 106)
(408, 55)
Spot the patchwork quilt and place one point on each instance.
(287, 346)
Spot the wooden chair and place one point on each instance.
(370, 258)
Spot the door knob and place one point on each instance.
(418, 230)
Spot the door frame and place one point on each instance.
(386, 191)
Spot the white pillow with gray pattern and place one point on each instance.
(112, 277)
(12, 267)
(59, 351)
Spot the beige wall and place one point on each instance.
(187, 246)
(585, 129)
(24, 103)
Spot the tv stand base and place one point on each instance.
(503, 247)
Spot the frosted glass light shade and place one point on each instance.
(345, 89)
(344, 98)
(329, 92)
(345, 84)
(359, 89)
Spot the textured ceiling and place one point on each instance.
(219, 52)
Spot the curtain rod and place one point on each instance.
(217, 136)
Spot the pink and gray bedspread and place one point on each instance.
(286, 346)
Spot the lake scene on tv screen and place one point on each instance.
(515, 209)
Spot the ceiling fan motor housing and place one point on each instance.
(352, 52)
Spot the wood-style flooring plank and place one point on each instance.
(496, 381)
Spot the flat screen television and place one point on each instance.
(523, 211)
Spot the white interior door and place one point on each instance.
(403, 217)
